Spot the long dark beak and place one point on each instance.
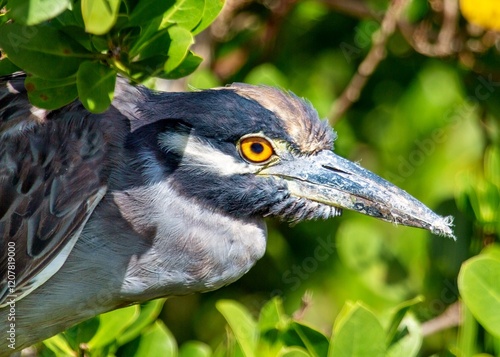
(335, 181)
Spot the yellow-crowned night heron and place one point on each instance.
(163, 194)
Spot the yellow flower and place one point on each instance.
(484, 13)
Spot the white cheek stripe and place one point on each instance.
(202, 156)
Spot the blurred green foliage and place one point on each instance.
(87, 43)
(427, 120)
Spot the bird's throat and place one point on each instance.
(190, 247)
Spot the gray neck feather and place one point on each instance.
(124, 256)
(192, 248)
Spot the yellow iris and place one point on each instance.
(256, 149)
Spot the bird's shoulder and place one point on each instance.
(54, 168)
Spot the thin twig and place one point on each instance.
(451, 317)
(355, 8)
(445, 42)
(306, 303)
(370, 62)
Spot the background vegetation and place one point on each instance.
(411, 87)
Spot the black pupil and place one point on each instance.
(257, 148)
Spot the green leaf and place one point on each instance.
(242, 324)
(478, 283)
(158, 44)
(111, 325)
(408, 345)
(272, 316)
(485, 200)
(51, 94)
(466, 342)
(358, 334)
(181, 39)
(400, 311)
(145, 11)
(315, 342)
(146, 32)
(57, 56)
(195, 349)
(148, 313)
(294, 352)
(7, 67)
(210, 11)
(79, 35)
(157, 340)
(70, 18)
(492, 164)
(100, 43)
(185, 13)
(344, 315)
(493, 251)
(81, 333)
(99, 16)
(168, 49)
(59, 346)
(203, 78)
(33, 12)
(150, 67)
(96, 85)
(188, 66)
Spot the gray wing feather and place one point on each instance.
(53, 172)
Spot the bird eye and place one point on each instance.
(256, 149)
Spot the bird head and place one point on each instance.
(256, 151)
